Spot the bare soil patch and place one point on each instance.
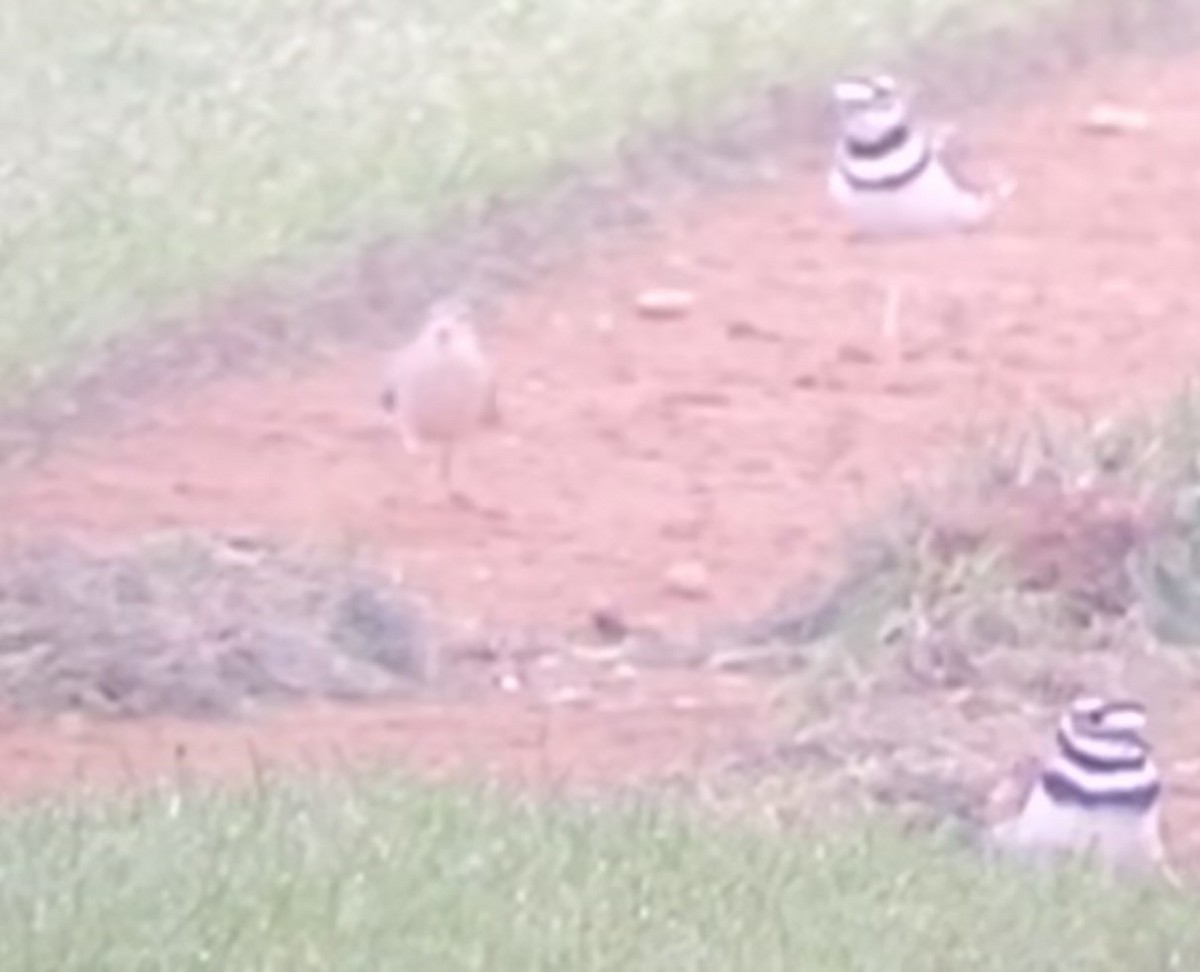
(745, 435)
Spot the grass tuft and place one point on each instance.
(1054, 535)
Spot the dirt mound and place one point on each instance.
(197, 625)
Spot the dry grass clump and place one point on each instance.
(198, 626)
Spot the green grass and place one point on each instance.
(153, 150)
(381, 875)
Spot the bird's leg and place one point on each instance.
(1171, 876)
(1158, 856)
(410, 446)
(458, 496)
(493, 411)
(446, 474)
(890, 325)
(408, 440)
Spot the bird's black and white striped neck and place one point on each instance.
(879, 149)
(1103, 760)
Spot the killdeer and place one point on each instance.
(888, 175)
(442, 387)
(1098, 796)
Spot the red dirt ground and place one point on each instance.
(745, 435)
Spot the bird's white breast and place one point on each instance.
(933, 202)
(1120, 838)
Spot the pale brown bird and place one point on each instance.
(442, 388)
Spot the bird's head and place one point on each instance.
(856, 91)
(869, 105)
(1113, 719)
(448, 324)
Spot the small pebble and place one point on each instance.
(688, 578)
(744, 330)
(665, 302)
(856, 354)
(609, 624)
(624, 672)
(604, 655)
(1110, 119)
(569, 695)
(71, 723)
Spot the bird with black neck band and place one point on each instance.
(890, 176)
(1099, 796)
